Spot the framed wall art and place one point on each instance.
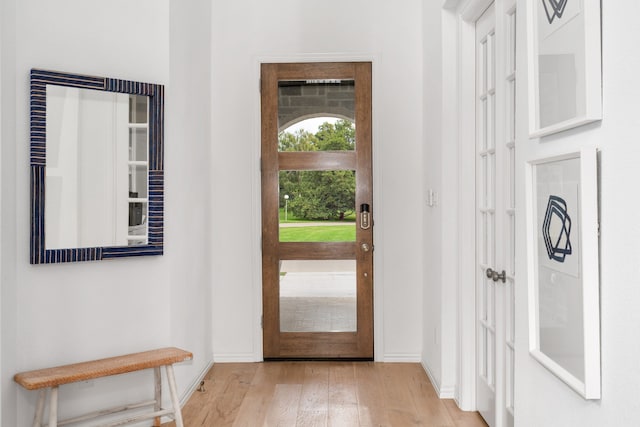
(563, 272)
(565, 77)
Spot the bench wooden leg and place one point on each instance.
(37, 418)
(53, 407)
(173, 390)
(158, 395)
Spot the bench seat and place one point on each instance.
(52, 378)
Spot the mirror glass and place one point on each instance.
(96, 160)
(96, 173)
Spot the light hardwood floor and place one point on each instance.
(337, 394)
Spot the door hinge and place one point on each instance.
(262, 322)
(260, 85)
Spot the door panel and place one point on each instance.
(486, 213)
(495, 165)
(509, 210)
(317, 291)
(317, 161)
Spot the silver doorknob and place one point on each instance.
(489, 273)
(365, 247)
(495, 276)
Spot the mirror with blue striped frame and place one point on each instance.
(97, 168)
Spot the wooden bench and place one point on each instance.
(52, 378)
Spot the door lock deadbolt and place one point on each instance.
(365, 216)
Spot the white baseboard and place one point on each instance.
(191, 389)
(235, 358)
(447, 392)
(443, 392)
(195, 384)
(401, 358)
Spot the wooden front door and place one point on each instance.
(317, 212)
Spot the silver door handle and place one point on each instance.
(495, 276)
(365, 247)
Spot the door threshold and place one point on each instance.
(318, 359)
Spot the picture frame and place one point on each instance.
(565, 65)
(40, 252)
(563, 268)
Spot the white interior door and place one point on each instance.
(495, 214)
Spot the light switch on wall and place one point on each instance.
(432, 198)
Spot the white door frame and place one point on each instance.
(462, 29)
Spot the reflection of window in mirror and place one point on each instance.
(138, 169)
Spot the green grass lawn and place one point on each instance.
(330, 233)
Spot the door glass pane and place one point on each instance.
(490, 233)
(484, 201)
(482, 125)
(483, 354)
(491, 121)
(491, 345)
(482, 237)
(510, 315)
(510, 369)
(483, 68)
(317, 206)
(491, 182)
(316, 115)
(491, 61)
(484, 312)
(318, 296)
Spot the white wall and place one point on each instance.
(1, 204)
(440, 220)
(53, 314)
(8, 282)
(249, 31)
(432, 160)
(541, 399)
(432, 170)
(188, 184)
